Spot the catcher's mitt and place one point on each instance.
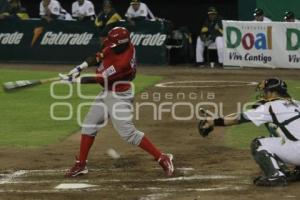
(204, 127)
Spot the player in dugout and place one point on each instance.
(211, 31)
(289, 16)
(51, 10)
(83, 10)
(259, 15)
(14, 10)
(138, 11)
(107, 16)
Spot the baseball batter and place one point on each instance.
(270, 153)
(117, 70)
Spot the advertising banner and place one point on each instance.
(260, 44)
(71, 42)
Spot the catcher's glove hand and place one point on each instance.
(204, 127)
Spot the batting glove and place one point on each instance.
(75, 73)
(68, 78)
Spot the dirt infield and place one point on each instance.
(205, 168)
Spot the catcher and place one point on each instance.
(277, 110)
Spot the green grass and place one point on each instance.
(25, 114)
(241, 136)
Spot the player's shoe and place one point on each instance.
(165, 161)
(79, 168)
(279, 181)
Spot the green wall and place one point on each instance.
(274, 9)
(246, 8)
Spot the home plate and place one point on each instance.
(66, 186)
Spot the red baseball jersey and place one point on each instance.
(117, 67)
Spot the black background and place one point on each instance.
(188, 13)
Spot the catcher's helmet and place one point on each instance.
(289, 15)
(118, 36)
(273, 85)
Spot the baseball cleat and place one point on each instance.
(165, 161)
(79, 168)
(279, 181)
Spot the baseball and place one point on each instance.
(112, 153)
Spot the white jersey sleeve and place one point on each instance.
(129, 12)
(75, 9)
(143, 11)
(260, 115)
(90, 10)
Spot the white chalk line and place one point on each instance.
(10, 179)
(226, 84)
(198, 177)
(180, 178)
(155, 196)
(56, 171)
(127, 189)
(43, 172)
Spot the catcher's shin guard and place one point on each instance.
(266, 161)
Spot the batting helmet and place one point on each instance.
(118, 36)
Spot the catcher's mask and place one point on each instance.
(272, 85)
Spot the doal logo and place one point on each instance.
(249, 40)
(293, 39)
(51, 38)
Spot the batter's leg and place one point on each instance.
(92, 123)
(120, 112)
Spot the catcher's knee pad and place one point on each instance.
(133, 137)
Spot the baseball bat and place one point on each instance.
(15, 85)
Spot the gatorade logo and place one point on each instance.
(61, 38)
(11, 38)
(148, 39)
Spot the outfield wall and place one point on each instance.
(71, 41)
